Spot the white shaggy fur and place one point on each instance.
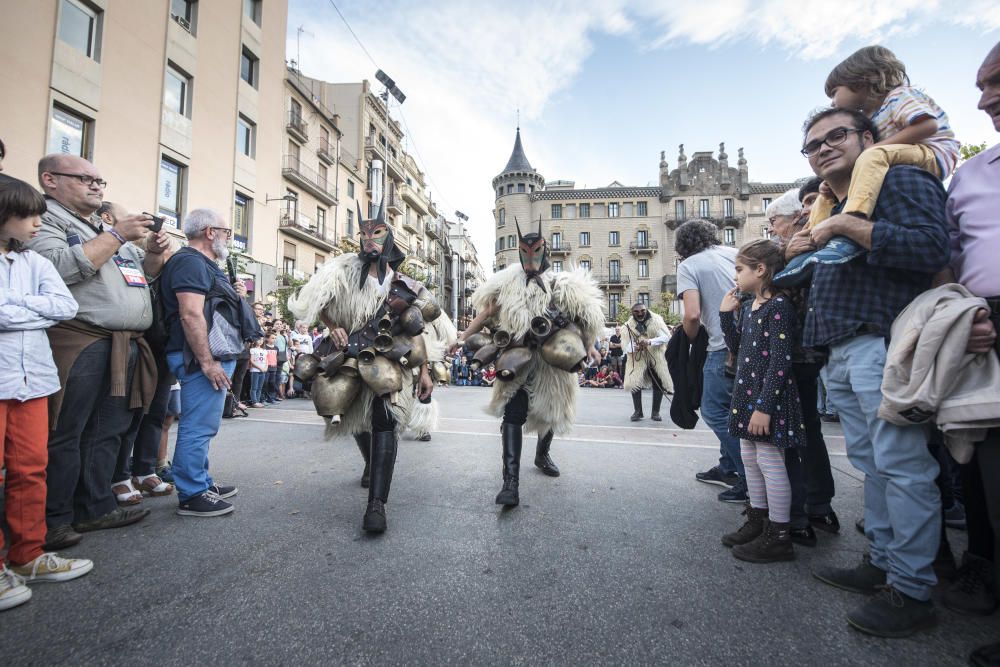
(638, 362)
(439, 335)
(552, 392)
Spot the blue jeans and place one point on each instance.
(201, 407)
(716, 402)
(256, 383)
(902, 502)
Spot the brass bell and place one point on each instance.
(333, 396)
(417, 355)
(512, 361)
(383, 342)
(484, 356)
(381, 375)
(366, 356)
(541, 327)
(502, 338)
(565, 349)
(385, 324)
(306, 367)
(411, 321)
(427, 305)
(332, 362)
(349, 368)
(476, 341)
(440, 372)
(400, 350)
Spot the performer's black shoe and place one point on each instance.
(511, 438)
(364, 441)
(542, 459)
(656, 417)
(636, 416)
(637, 404)
(374, 521)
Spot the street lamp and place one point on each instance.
(291, 196)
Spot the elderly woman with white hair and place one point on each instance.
(808, 467)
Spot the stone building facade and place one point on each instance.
(623, 234)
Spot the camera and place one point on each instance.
(158, 221)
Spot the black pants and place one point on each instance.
(808, 467)
(140, 446)
(239, 373)
(516, 410)
(382, 419)
(83, 448)
(982, 500)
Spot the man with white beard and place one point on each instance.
(198, 299)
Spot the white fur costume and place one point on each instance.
(439, 335)
(551, 392)
(651, 359)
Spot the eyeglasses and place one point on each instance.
(86, 179)
(228, 231)
(833, 138)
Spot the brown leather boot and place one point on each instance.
(749, 531)
(773, 545)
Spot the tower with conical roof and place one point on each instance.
(513, 188)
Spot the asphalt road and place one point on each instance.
(617, 561)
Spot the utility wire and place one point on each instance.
(351, 30)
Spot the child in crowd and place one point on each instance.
(271, 381)
(912, 128)
(766, 413)
(258, 372)
(32, 298)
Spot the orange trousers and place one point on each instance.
(24, 450)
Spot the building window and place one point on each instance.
(613, 239)
(727, 207)
(321, 221)
(642, 238)
(323, 176)
(557, 266)
(680, 214)
(510, 188)
(556, 211)
(764, 203)
(644, 298)
(252, 9)
(288, 260)
(246, 136)
(69, 133)
(642, 209)
(615, 270)
(643, 268)
(584, 239)
(703, 208)
(614, 303)
(171, 195)
(556, 240)
(184, 12)
(585, 264)
(80, 27)
(350, 223)
(249, 67)
(177, 91)
(613, 210)
(520, 187)
(729, 236)
(511, 242)
(501, 217)
(318, 261)
(241, 221)
(501, 243)
(499, 192)
(584, 210)
(765, 232)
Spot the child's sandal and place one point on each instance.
(126, 494)
(152, 485)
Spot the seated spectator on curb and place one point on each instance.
(106, 368)
(209, 324)
(32, 298)
(851, 308)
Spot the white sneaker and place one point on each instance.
(51, 567)
(12, 589)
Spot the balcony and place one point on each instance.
(560, 249)
(304, 176)
(327, 152)
(411, 223)
(414, 198)
(468, 271)
(303, 227)
(643, 248)
(297, 126)
(433, 230)
(393, 204)
(434, 257)
(375, 149)
(736, 220)
(612, 280)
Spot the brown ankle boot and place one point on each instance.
(773, 545)
(749, 531)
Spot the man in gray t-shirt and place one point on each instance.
(707, 272)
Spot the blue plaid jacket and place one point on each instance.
(909, 245)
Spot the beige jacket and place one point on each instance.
(929, 375)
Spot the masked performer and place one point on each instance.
(645, 335)
(544, 326)
(370, 371)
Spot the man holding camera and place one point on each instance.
(106, 369)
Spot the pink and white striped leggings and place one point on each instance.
(767, 479)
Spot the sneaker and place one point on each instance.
(736, 494)
(224, 490)
(12, 589)
(828, 523)
(714, 475)
(830, 418)
(61, 537)
(51, 567)
(864, 578)
(206, 504)
(892, 614)
(803, 536)
(115, 519)
(954, 516)
(972, 591)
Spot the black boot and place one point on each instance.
(637, 404)
(542, 458)
(511, 436)
(382, 463)
(657, 399)
(364, 441)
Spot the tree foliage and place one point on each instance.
(969, 151)
(290, 285)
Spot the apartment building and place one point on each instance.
(467, 273)
(174, 101)
(625, 234)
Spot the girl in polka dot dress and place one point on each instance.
(766, 413)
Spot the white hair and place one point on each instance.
(786, 204)
(200, 219)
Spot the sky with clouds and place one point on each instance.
(604, 85)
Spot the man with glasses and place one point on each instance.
(851, 309)
(106, 369)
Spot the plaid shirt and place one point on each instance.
(909, 245)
